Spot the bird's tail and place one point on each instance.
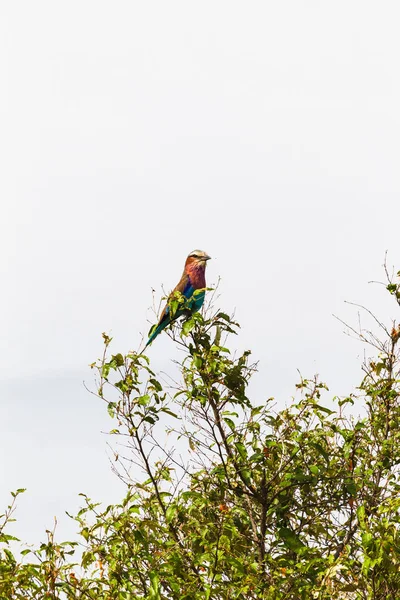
(153, 333)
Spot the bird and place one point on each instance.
(193, 278)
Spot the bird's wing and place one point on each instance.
(184, 287)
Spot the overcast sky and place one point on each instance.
(265, 133)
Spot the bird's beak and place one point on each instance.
(206, 257)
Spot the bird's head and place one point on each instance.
(197, 258)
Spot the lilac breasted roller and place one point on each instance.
(193, 278)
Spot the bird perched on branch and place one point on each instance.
(192, 287)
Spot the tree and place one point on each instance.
(253, 503)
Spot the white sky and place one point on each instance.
(266, 133)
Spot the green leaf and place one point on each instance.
(154, 591)
(169, 412)
(246, 474)
(241, 448)
(291, 540)
(170, 513)
(156, 384)
(224, 316)
(321, 451)
(10, 556)
(324, 409)
(367, 539)
(5, 537)
(111, 409)
(152, 330)
(150, 420)
(188, 326)
(143, 400)
(118, 360)
(230, 423)
(361, 515)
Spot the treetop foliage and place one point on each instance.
(227, 497)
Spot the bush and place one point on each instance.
(253, 503)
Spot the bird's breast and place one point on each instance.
(197, 277)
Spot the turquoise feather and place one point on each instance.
(193, 304)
